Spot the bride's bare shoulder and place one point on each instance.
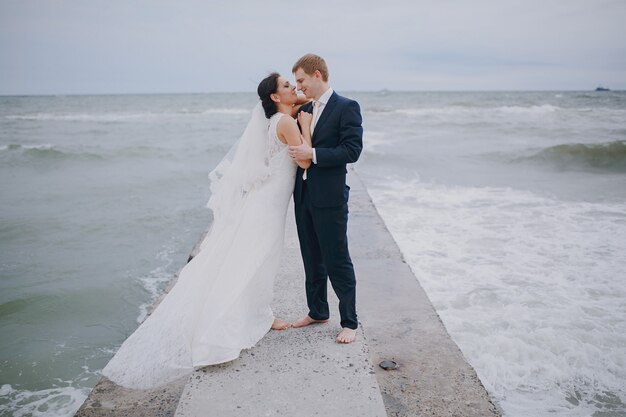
(286, 121)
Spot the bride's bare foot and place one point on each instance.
(305, 321)
(346, 336)
(280, 324)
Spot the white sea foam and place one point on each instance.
(120, 117)
(155, 281)
(376, 142)
(43, 146)
(84, 117)
(436, 111)
(543, 108)
(52, 402)
(530, 288)
(471, 110)
(532, 112)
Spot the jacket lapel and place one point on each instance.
(325, 114)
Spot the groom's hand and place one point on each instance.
(301, 152)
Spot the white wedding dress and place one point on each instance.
(221, 301)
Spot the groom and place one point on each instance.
(321, 195)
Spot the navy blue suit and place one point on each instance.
(321, 208)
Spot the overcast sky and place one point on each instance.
(152, 46)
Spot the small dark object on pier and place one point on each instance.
(388, 365)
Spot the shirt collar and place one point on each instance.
(326, 96)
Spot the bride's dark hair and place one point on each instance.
(266, 88)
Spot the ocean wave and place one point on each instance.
(227, 111)
(378, 109)
(52, 152)
(46, 151)
(609, 156)
(18, 306)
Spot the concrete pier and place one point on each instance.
(303, 372)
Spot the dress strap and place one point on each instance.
(273, 126)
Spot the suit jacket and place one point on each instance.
(338, 140)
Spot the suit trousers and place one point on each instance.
(324, 245)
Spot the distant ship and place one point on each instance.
(602, 89)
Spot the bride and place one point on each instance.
(221, 301)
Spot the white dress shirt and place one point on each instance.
(322, 100)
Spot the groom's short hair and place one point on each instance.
(311, 63)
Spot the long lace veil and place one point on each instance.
(245, 166)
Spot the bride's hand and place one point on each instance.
(305, 119)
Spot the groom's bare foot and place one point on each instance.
(305, 321)
(280, 324)
(346, 336)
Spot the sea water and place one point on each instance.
(511, 210)
(509, 207)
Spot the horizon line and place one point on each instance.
(384, 90)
